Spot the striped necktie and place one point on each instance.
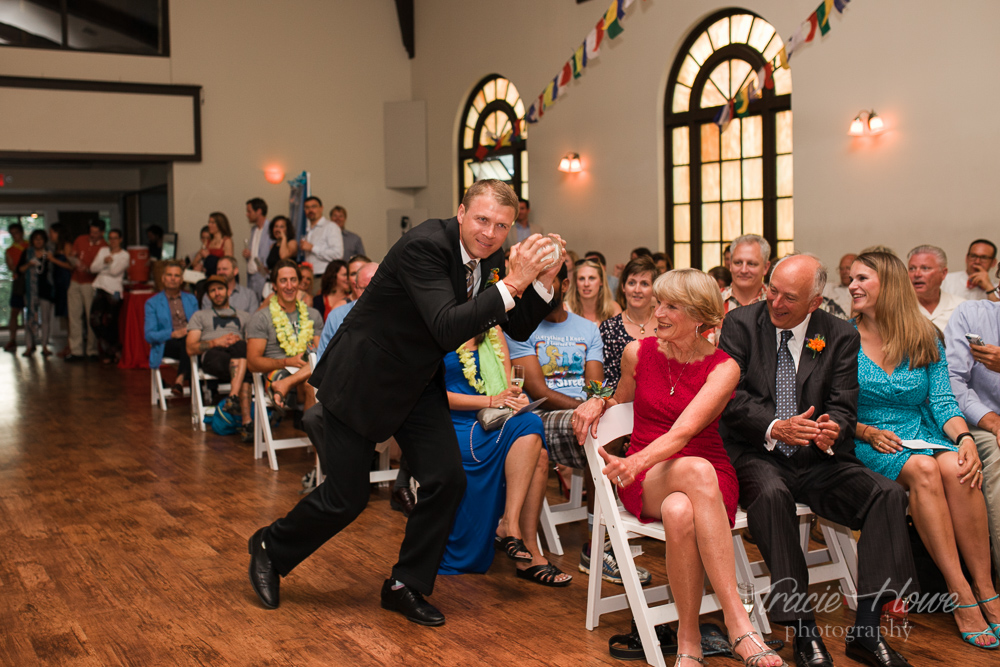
(785, 389)
(470, 277)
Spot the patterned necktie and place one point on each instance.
(785, 386)
(470, 277)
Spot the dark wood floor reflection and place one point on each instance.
(124, 543)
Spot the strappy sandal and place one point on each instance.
(754, 660)
(995, 627)
(544, 575)
(682, 656)
(512, 546)
(971, 637)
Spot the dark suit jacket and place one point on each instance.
(412, 313)
(828, 381)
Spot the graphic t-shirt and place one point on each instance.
(563, 350)
(217, 323)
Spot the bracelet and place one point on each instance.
(513, 292)
(962, 435)
(864, 432)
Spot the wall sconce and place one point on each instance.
(274, 175)
(570, 163)
(866, 122)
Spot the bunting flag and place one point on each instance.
(567, 73)
(612, 18)
(739, 105)
(579, 61)
(555, 88)
(547, 97)
(592, 45)
(530, 116)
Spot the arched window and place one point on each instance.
(724, 184)
(492, 137)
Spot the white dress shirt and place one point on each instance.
(946, 306)
(841, 295)
(795, 345)
(110, 275)
(957, 283)
(508, 300)
(328, 245)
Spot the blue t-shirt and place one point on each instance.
(563, 350)
(333, 322)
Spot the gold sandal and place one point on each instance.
(681, 656)
(754, 660)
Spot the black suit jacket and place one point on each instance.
(414, 311)
(827, 380)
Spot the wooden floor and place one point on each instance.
(124, 539)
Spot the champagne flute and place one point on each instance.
(516, 379)
(747, 596)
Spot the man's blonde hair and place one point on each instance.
(502, 193)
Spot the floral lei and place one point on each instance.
(285, 332)
(469, 361)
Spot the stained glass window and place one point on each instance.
(736, 181)
(493, 137)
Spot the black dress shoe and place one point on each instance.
(263, 577)
(403, 501)
(882, 656)
(410, 604)
(811, 653)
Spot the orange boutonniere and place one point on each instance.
(494, 277)
(817, 344)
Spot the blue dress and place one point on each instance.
(470, 544)
(913, 404)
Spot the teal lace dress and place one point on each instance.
(913, 404)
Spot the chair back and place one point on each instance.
(615, 423)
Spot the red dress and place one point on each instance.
(656, 411)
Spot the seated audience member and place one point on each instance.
(352, 242)
(906, 396)
(167, 315)
(36, 267)
(589, 294)
(727, 257)
(928, 267)
(839, 291)
(635, 322)
(283, 243)
(335, 288)
(722, 276)
(676, 469)
(748, 266)
(240, 298)
(217, 334)
(611, 278)
(662, 263)
(974, 283)
(506, 470)
(280, 335)
(338, 315)
(306, 282)
(789, 431)
(830, 306)
(564, 354)
(973, 370)
(109, 266)
(354, 265)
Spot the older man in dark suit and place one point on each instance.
(381, 375)
(789, 431)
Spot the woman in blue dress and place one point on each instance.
(506, 469)
(905, 395)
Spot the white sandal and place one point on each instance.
(754, 660)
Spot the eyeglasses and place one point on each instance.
(984, 258)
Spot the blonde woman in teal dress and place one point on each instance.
(906, 395)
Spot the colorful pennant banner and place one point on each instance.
(819, 20)
(610, 26)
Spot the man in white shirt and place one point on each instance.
(259, 246)
(324, 242)
(928, 267)
(974, 282)
(838, 292)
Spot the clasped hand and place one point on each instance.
(528, 261)
(802, 431)
(509, 398)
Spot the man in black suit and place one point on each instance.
(789, 431)
(382, 375)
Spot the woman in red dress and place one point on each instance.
(676, 470)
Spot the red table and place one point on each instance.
(135, 349)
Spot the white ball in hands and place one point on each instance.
(552, 256)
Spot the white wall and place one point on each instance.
(922, 67)
(300, 84)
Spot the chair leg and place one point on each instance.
(549, 529)
(596, 569)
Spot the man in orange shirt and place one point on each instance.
(17, 246)
(81, 291)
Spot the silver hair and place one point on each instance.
(931, 250)
(765, 247)
(819, 280)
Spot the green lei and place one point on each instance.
(493, 378)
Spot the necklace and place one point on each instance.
(670, 379)
(642, 327)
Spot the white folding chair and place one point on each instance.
(621, 525)
(199, 382)
(572, 510)
(383, 476)
(157, 391)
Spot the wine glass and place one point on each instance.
(747, 596)
(516, 380)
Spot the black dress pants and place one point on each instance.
(842, 491)
(427, 439)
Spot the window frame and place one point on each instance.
(768, 106)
